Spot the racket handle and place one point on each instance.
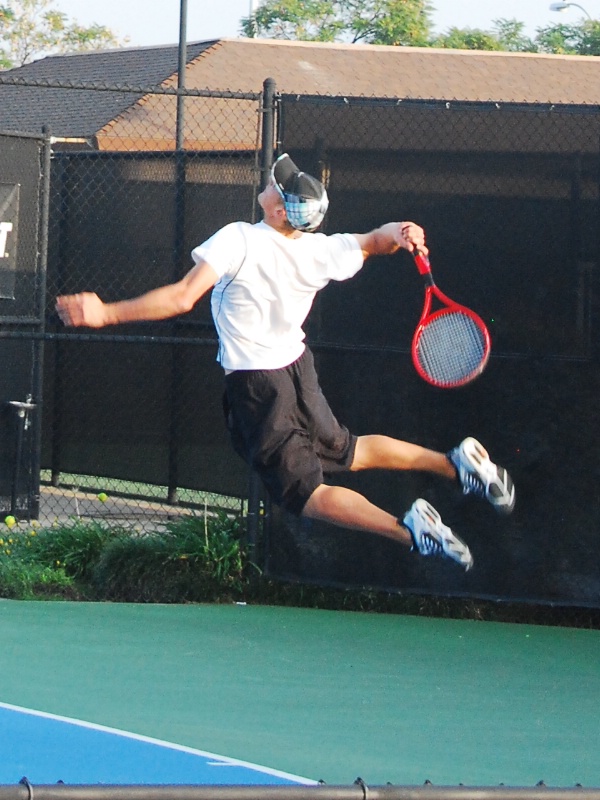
(423, 265)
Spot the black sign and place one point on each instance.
(9, 218)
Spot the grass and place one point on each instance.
(198, 558)
(195, 559)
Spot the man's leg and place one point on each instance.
(421, 529)
(349, 509)
(382, 452)
(469, 464)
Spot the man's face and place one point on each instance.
(270, 199)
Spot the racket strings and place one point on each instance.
(451, 347)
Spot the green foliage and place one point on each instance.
(558, 39)
(32, 28)
(409, 22)
(396, 22)
(589, 43)
(506, 35)
(195, 559)
(76, 547)
(583, 39)
(467, 39)
(23, 577)
(511, 37)
(20, 581)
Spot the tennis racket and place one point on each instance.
(451, 345)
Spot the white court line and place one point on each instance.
(216, 760)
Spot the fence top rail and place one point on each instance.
(440, 103)
(45, 83)
(23, 135)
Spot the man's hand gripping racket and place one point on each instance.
(451, 345)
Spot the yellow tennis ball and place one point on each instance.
(102, 497)
(10, 521)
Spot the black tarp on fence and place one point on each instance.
(508, 196)
(509, 199)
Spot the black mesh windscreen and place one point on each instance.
(509, 201)
(141, 402)
(509, 198)
(21, 317)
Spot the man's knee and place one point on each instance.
(316, 505)
(366, 451)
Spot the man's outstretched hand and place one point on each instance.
(84, 309)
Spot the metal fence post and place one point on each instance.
(180, 179)
(255, 485)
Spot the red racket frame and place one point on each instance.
(449, 306)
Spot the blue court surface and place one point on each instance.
(46, 749)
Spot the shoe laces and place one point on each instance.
(430, 546)
(472, 484)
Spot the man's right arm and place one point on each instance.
(87, 309)
(391, 237)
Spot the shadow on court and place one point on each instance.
(320, 694)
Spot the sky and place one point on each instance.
(144, 25)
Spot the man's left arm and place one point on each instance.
(391, 237)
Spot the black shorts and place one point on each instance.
(281, 424)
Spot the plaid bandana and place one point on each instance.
(304, 197)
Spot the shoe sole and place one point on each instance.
(427, 511)
(478, 458)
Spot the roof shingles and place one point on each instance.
(242, 65)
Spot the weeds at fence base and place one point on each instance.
(201, 558)
(195, 559)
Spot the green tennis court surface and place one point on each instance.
(321, 694)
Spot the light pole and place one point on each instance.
(564, 6)
(253, 7)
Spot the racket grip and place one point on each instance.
(422, 262)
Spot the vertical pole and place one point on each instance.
(595, 286)
(19, 427)
(37, 381)
(63, 174)
(180, 121)
(179, 232)
(268, 130)
(253, 7)
(267, 141)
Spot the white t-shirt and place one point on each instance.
(267, 283)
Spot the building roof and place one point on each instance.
(424, 73)
(79, 113)
(146, 121)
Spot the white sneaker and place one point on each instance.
(431, 537)
(479, 476)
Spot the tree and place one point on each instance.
(506, 35)
(589, 44)
(409, 22)
(511, 37)
(582, 40)
(392, 22)
(467, 39)
(32, 28)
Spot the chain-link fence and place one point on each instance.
(24, 173)
(133, 415)
(508, 196)
(140, 404)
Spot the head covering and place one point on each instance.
(304, 197)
